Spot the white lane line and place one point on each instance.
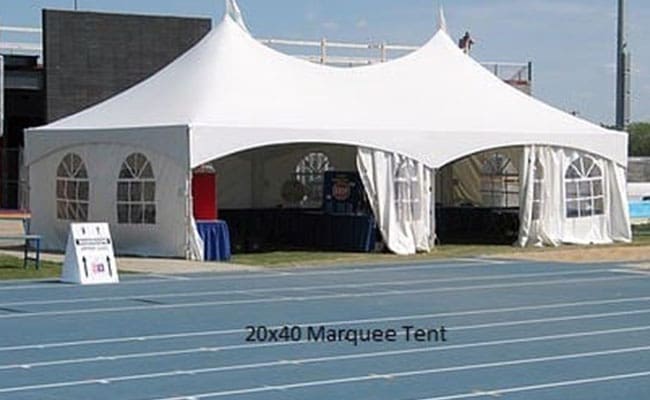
(279, 274)
(288, 299)
(285, 299)
(405, 374)
(357, 356)
(117, 357)
(489, 261)
(303, 288)
(553, 319)
(631, 271)
(183, 335)
(170, 277)
(415, 265)
(541, 386)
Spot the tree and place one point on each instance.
(639, 139)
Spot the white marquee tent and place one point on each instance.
(230, 94)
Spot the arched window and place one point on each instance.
(136, 191)
(538, 180)
(584, 189)
(310, 171)
(407, 191)
(72, 189)
(499, 182)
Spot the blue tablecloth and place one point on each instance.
(293, 229)
(216, 240)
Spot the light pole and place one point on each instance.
(75, 5)
(623, 69)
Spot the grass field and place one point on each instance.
(284, 258)
(12, 267)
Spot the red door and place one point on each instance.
(204, 194)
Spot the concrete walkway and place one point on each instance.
(155, 265)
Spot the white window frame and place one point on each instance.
(584, 189)
(408, 202)
(499, 181)
(72, 190)
(136, 191)
(310, 172)
(538, 182)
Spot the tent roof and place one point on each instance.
(230, 80)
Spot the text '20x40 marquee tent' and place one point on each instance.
(399, 123)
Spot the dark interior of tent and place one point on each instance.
(311, 197)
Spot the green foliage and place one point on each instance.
(639, 139)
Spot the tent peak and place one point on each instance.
(442, 21)
(233, 12)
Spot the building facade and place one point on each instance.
(90, 56)
(87, 57)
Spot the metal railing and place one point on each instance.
(335, 53)
(25, 40)
(348, 54)
(383, 51)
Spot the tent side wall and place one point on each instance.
(103, 155)
(564, 195)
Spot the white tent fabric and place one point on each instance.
(230, 94)
(556, 218)
(232, 9)
(400, 192)
(442, 20)
(168, 237)
(233, 94)
(196, 244)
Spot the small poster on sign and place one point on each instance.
(89, 257)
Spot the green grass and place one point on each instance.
(305, 258)
(641, 232)
(12, 268)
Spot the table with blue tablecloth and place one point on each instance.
(473, 225)
(297, 229)
(216, 240)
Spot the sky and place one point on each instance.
(572, 43)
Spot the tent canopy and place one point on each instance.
(232, 93)
(405, 118)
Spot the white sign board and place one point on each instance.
(89, 257)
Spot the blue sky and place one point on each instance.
(572, 43)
